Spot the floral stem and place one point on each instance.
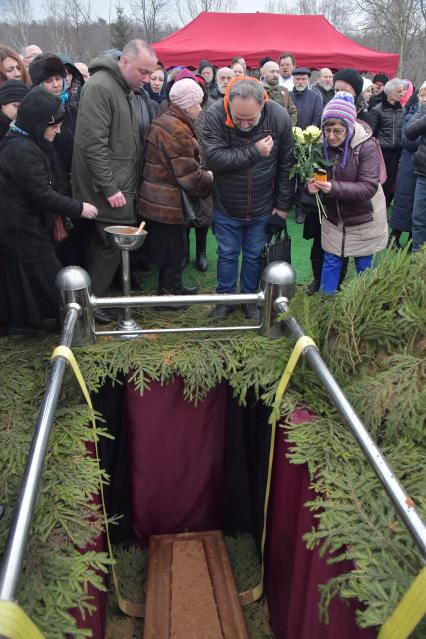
(321, 208)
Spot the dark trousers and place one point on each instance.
(166, 247)
(102, 258)
(391, 159)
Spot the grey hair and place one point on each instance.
(133, 47)
(391, 85)
(247, 89)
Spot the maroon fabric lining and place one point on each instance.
(176, 467)
(176, 453)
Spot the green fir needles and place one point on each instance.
(372, 336)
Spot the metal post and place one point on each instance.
(74, 286)
(125, 273)
(18, 534)
(396, 492)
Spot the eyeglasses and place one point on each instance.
(334, 130)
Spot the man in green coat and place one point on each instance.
(106, 159)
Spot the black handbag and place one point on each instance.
(278, 249)
(191, 207)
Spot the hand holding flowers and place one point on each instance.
(308, 152)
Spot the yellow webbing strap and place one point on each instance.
(410, 610)
(15, 623)
(128, 607)
(249, 596)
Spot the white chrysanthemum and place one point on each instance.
(313, 131)
(298, 133)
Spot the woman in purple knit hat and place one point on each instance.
(355, 224)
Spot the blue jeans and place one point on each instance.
(234, 236)
(332, 266)
(419, 213)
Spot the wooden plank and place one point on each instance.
(157, 603)
(191, 591)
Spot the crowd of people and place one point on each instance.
(125, 140)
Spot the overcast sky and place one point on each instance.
(102, 8)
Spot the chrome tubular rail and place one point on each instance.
(19, 530)
(402, 502)
(78, 305)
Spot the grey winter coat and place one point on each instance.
(106, 145)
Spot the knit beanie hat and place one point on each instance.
(341, 107)
(352, 77)
(45, 66)
(380, 77)
(12, 91)
(186, 93)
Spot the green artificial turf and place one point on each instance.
(300, 250)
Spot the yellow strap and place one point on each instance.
(15, 623)
(249, 596)
(410, 610)
(128, 607)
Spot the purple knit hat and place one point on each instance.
(341, 107)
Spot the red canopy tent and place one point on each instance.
(314, 42)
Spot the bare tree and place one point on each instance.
(278, 6)
(150, 15)
(397, 23)
(18, 13)
(190, 9)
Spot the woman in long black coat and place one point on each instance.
(28, 202)
(402, 212)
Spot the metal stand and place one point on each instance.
(126, 242)
(127, 323)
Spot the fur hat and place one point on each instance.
(185, 93)
(12, 91)
(44, 66)
(341, 107)
(352, 77)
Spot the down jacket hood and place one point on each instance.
(361, 134)
(108, 64)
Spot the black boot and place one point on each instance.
(201, 263)
(394, 237)
(313, 287)
(171, 284)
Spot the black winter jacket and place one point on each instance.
(386, 124)
(415, 128)
(28, 201)
(247, 185)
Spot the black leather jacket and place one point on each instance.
(386, 124)
(247, 185)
